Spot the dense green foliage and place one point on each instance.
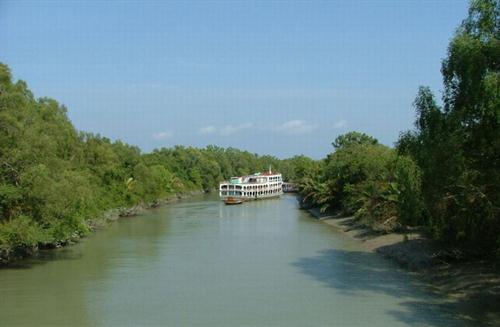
(367, 179)
(444, 175)
(55, 180)
(458, 146)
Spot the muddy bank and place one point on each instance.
(472, 286)
(94, 224)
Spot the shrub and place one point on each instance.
(19, 234)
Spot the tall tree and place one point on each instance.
(458, 146)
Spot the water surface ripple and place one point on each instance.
(200, 263)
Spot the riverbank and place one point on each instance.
(117, 213)
(264, 263)
(94, 224)
(471, 286)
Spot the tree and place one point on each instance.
(351, 138)
(55, 180)
(458, 146)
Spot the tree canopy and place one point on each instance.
(55, 181)
(444, 174)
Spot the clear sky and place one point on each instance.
(280, 78)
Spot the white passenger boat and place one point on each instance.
(252, 187)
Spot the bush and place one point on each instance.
(407, 186)
(367, 179)
(466, 216)
(20, 234)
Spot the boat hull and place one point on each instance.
(232, 201)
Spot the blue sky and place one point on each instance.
(280, 78)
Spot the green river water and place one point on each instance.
(200, 263)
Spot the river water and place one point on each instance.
(201, 263)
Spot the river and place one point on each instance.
(200, 263)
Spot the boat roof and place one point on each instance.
(267, 173)
(257, 175)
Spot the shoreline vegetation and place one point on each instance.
(138, 209)
(57, 183)
(431, 203)
(93, 225)
(443, 177)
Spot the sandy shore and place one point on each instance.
(472, 287)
